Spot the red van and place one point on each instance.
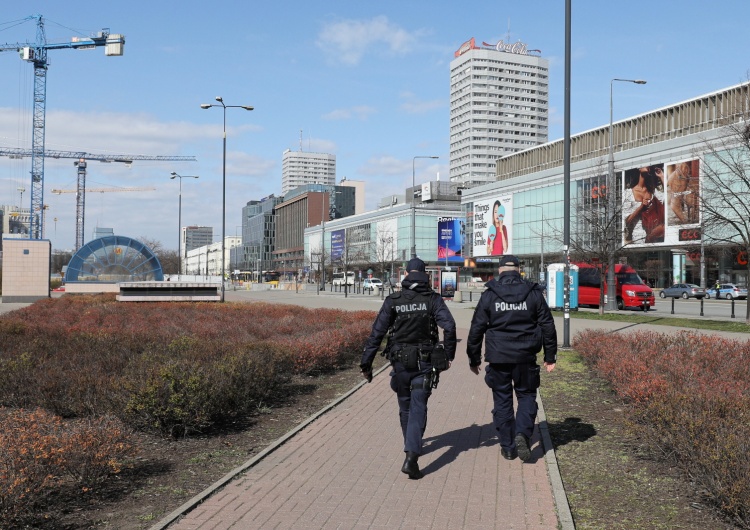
(632, 292)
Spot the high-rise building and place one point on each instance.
(299, 168)
(195, 237)
(258, 235)
(499, 104)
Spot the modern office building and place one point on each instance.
(206, 260)
(195, 237)
(381, 239)
(359, 193)
(499, 104)
(306, 206)
(258, 235)
(664, 238)
(299, 168)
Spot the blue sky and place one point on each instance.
(366, 81)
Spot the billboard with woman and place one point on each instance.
(493, 226)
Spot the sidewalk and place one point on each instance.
(342, 469)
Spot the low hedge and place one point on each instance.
(690, 397)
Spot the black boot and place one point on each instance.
(410, 466)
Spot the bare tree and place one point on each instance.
(317, 261)
(169, 259)
(596, 237)
(385, 252)
(725, 191)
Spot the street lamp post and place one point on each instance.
(611, 292)
(541, 266)
(322, 278)
(413, 209)
(224, 179)
(179, 217)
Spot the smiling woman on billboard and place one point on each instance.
(492, 227)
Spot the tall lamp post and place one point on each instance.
(224, 180)
(179, 217)
(541, 266)
(323, 215)
(611, 304)
(413, 210)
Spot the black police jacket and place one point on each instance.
(414, 283)
(515, 321)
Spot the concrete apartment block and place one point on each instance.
(26, 270)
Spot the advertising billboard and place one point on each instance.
(448, 283)
(661, 204)
(450, 239)
(338, 242)
(493, 227)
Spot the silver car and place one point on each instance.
(683, 290)
(728, 291)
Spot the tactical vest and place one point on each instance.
(413, 323)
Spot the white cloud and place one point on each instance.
(347, 41)
(360, 112)
(145, 213)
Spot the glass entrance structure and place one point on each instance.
(112, 259)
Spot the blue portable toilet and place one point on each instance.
(556, 286)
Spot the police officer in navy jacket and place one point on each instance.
(412, 316)
(516, 323)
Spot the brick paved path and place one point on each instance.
(343, 470)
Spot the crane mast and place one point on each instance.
(36, 53)
(15, 152)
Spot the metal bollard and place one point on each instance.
(673, 305)
(732, 307)
(701, 306)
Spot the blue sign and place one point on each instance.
(338, 242)
(450, 239)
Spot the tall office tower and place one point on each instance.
(299, 168)
(195, 237)
(499, 105)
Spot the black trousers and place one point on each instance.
(412, 403)
(504, 379)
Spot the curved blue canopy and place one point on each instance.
(113, 259)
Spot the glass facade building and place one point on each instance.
(668, 244)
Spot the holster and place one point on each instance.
(439, 358)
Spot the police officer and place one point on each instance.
(515, 321)
(412, 316)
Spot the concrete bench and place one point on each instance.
(169, 292)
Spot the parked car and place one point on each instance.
(728, 291)
(684, 290)
(369, 283)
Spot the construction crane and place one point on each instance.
(102, 190)
(82, 157)
(37, 53)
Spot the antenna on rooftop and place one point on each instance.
(300, 140)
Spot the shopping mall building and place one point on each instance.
(660, 163)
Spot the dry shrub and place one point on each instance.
(690, 396)
(174, 367)
(41, 454)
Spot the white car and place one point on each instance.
(369, 283)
